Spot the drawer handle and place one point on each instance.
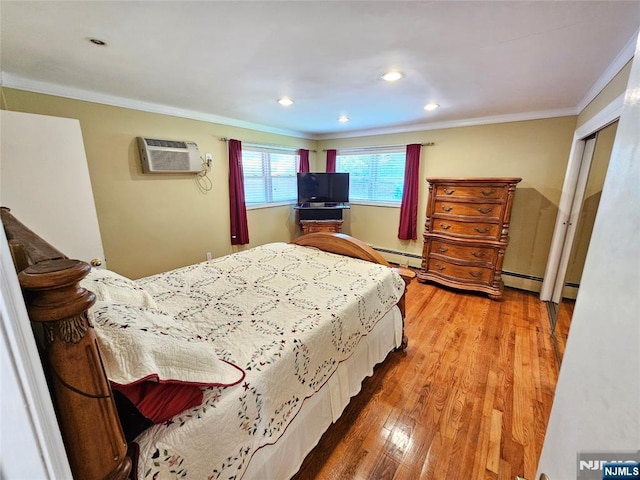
(445, 227)
(449, 191)
(440, 267)
(486, 193)
(475, 274)
(446, 208)
(443, 249)
(482, 230)
(485, 210)
(479, 254)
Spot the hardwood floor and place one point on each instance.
(469, 399)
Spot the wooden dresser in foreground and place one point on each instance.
(466, 232)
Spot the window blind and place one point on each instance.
(269, 174)
(376, 174)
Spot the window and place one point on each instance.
(376, 175)
(269, 175)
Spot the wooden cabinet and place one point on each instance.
(466, 232)
(320, 217)
(311, 226)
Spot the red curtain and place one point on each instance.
(237, 207)
(304, 160)
(331, 161)
(408, 228)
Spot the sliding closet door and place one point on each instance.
(574, 227)
(586, 215)
(582, 214)
(572, 220)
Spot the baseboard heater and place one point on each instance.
(536, 279)
(522, 275)
(403, 258)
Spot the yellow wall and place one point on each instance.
(152, 223)
(536, 150)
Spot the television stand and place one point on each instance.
(312, 226)
(320, 217)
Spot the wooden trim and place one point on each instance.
(474, 180)
(342, 245)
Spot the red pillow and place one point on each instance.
(160, 401)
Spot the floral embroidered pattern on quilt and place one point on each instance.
(287, 315)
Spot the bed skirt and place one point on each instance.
(284, 458)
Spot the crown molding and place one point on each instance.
(604, 117)
(611, 71)
(20, 83)
(469, 122)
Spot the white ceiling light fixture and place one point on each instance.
(285, 101)
(430, 107)
(392, 76)
(343, 119)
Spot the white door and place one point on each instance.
(596, 407)
(29, 429)
(571, 221)
(44, 180)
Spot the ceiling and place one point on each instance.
(229, 61)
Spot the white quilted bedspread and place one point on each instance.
(284, 314)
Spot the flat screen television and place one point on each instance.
(323, 187)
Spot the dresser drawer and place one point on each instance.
(474, 191)
(489, 210)
(466, 232)
(466, 229)
(467, 253)
(460, 272)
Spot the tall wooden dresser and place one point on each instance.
(467, 232)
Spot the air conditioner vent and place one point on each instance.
(169, 156)
(170, 161)
(152, 142)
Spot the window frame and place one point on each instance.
(395, 149)
(266, 151)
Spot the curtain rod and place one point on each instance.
(364, 149)
(268, 145)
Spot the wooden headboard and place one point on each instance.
(82, 397)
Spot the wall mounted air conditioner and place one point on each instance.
(169, 156)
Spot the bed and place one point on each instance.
(239, 364)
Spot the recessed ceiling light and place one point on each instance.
(98, 42)
(343, 119)
(392, 76)
(429, 107)
(285, 101)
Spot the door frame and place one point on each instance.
(604, 117)
(42, 439)
(589, 147)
